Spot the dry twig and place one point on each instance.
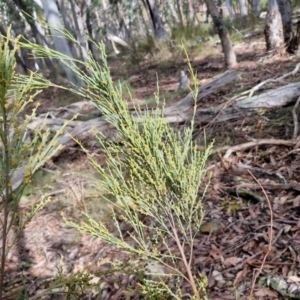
(270, 237)
(257, 87)
(230, 149)
(295, 119)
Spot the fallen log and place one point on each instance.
(272, 99)
(207, 89)
(178, 112)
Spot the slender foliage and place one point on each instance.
(20, 155)
(153, 173)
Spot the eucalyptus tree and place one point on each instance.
(29, 10)
(273, 27)
(230, 57)
(156, 19)
(285, 10)
(129, 18)
(230, 9)
(15, 17)
(190, 12)
(170, 6)
(144, 29)
(90, 27)
(59, 40)
(243, 4)
(179, 6)
(279, 31)
(256, 7)
(124, 17)
(184, 13)
(79, 16)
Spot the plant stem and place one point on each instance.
(6, 211)
(186, 264)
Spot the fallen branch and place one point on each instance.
(271, 187)
(281, 78)
(295, 119)
(270, 237)
(231, 149)
(181, 111)
(214, 85)
(246, 107)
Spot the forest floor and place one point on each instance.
(230, 258)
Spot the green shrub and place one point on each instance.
(180, 33)
(20, 155)
(152, 177)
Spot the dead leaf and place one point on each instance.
(217, 276)
(233, 260)
(296, 201)
(265, 292)
(283, 199)
(214, 254)
(250, 246)
(287, 228)
(240, 276)
(211, 281)
(285, 270)
(293, 279)
(237, 229)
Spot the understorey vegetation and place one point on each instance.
(152, 175)
(151, 158)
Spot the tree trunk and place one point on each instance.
(37, 31)
(243, 9)
(273, 28)
(191, 12)
(79, 13)
(68, 25)
(229, 8)
(60, 43)
(287, 24)
(180, 13)
(123, 28)
(256, 7)
(143, 12)
(173, 12)
(230, 57)
(90, 28)
(157, 22)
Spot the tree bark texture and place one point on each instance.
(191, 12)
(243, 9)
(230, 9)
(256, 7)
(273, 28)
(60, 43)
(287, 24)
(173, 12)
(157, 22)
(230, 57)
